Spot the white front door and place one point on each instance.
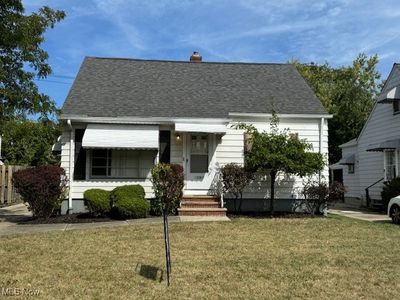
(199, 166)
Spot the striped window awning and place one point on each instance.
(111, 136)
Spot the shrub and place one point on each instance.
(390, 189)
(317, 194)
(234, 179)
(98, 201)
(129, 201)
(168, 182)
(43, 187)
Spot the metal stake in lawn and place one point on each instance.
(167, 248)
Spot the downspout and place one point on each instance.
(321, 135)
(71, 156)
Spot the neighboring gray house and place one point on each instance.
(122, 116)
(373, 157)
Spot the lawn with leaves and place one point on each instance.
(336, 258)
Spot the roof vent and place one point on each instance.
(195, 57)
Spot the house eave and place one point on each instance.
(141, 120)
(269, 115)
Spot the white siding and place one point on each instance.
(382, 125)
(231, 146)
(79, 187)
(351, 181)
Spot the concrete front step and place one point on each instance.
(191, 211)
(200, 198)
(199, 204)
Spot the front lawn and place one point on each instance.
(247, 258)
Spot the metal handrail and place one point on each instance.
(367, 191)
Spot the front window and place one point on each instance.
(390, 165)
(350, 169)
(110, 163)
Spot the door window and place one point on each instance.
(199, 154)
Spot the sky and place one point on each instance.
(332, 31)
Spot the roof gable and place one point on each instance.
(107, 87)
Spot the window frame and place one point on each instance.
(108, 175)
(392, 168)
(350, 169)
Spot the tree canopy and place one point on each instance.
(347, 93)
(29, 142)
(22, 59)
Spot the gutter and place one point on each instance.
(71, 156)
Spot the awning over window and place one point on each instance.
(390, 96)
(386, 145)
(195, 127)
(120, 136)
(348, 160)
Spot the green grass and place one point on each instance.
(336, 258)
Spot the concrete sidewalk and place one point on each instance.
(12, 216)
(359, 214)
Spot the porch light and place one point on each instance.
(178, 137)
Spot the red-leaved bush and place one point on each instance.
(43, 187)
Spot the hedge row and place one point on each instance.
(126, 201)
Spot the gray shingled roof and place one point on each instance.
(112, 87)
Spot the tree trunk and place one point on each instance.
(271, 204)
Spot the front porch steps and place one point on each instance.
(201, 206)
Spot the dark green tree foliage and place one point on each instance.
(277, 152)
(347, 93)
(22, 59)
(29, 142)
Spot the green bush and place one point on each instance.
(128, 201)
(390, 189)
(98, 201)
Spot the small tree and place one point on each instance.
(168, 185)
(279, 151)
(234, 179)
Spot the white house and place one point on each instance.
(122, 116)
(373, 157)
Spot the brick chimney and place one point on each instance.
(195, 57)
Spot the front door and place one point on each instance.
(200, 172)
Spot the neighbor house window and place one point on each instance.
(110, 163)
(390, 165)
(350, 169)
(396, 106)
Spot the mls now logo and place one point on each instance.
(19, 292)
